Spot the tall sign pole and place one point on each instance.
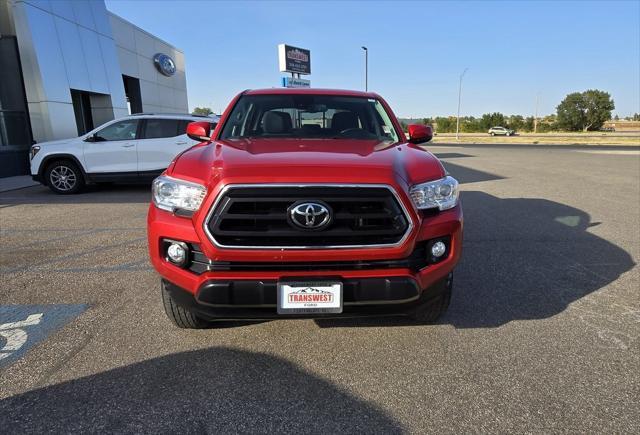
(366, 68)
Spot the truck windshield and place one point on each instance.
(309, 116)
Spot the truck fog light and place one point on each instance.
(177, 254)
(438, 249)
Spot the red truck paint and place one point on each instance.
(218, 163)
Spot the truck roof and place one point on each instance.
(310, 91)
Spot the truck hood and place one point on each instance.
(307, 160)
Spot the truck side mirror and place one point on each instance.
(200, 131)
(419, 133)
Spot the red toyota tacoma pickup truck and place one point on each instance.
(305, 203)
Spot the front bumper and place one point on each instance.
(256, 299)
(214, 292)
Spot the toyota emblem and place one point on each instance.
(312, 215)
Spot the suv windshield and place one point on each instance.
(309, 116)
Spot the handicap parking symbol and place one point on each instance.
(23, 326)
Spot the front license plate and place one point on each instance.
(309, 297)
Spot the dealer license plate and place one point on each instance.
(309, 297)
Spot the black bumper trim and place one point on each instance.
(264, 293)
(256, 299)
(418, 260)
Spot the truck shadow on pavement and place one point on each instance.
(522, 259)
(527, 259)
(215, 390)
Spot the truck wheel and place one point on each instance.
(179, 316)
(64, 177)
(431, 311)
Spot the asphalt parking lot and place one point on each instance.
(542, 335)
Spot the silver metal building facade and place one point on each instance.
(67, 66)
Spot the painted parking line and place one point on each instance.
(23, 326)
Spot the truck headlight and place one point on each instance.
(442, 194)
(175, 195)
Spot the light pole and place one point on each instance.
(459, 98)
(366, 68)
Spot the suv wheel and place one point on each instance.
(64, 177)
(492, 133)
(432, 310)
(179, 316)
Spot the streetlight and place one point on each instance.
(366, 68)
(459, 97)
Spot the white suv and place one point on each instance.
(135, 148)
(501, 131)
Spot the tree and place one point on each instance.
(489, 120)
(548, 123)
(470, 124)
(516, 122)
(585, 111)
(445, 125)
(546, 127)
(202, 111)
(528, 124)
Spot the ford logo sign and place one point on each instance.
(312, 215)
(164, 64)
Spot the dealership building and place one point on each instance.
(67, 66)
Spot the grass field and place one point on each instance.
(630, 139)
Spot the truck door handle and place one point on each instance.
(182, 142)
(129, 145)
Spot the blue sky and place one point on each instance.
(514, 50)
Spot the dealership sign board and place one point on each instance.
(291, 82)
(294, 59)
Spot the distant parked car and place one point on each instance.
(135, 148)
(501, 131)
(608, 129)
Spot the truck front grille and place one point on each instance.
(256, 216)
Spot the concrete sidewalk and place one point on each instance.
(17, 182)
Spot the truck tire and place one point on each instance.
(431, 311)
(179, 316)
(64, 177)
